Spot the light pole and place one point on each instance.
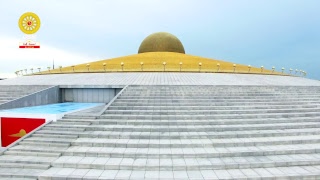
(262, 68)
(104, 66)
(273, 69)
(218, 67)
(164, 66)
(141, 63)
(200, 64)
(180, 65)
(249, 67)
(234, 67)
(88, 67)
(122, 64)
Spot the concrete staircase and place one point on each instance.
(35, 154)
(9, 93)
(181, 132)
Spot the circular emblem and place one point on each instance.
(29, 23)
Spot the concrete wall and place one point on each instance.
(89, 95)
(43, 97)
(23, 88)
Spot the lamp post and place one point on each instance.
(249, 67)
(218, 67)
(180, 65)
(122, 64)
(31, 69)
(200, 64)
(104, 66)
(49, 69)
(88, 67)
(273, 69)
(282, 69)
(234, 67)
(262, 68)
(141, 63)
(164, 66)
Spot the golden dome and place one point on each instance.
(161, 42)
(160, 62)
(162, 52)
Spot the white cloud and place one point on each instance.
(12, 58)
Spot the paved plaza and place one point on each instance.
(156, 78)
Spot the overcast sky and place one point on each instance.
(280, 33)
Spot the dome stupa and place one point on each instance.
(161, 42)
(162, 52)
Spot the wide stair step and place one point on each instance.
(42, 154)
(24, 165)
(202, 128)
(200, 135)
(211, 112)
(211, 104)
(205, 122)
(187, 163)
(18, 173)
(183, 108)
(294, 172)
(163, 143)
(165, 116)
(191, 152)
(26, 159)
(41, 149)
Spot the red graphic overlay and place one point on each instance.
(13, 129)
(29, 46)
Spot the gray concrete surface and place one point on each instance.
(40, 97)
(122, 79)
(181, 132)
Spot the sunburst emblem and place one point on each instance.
(29, 23)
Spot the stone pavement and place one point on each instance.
(181, 132)
(166, 78)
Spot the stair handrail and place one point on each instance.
(112, 100)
